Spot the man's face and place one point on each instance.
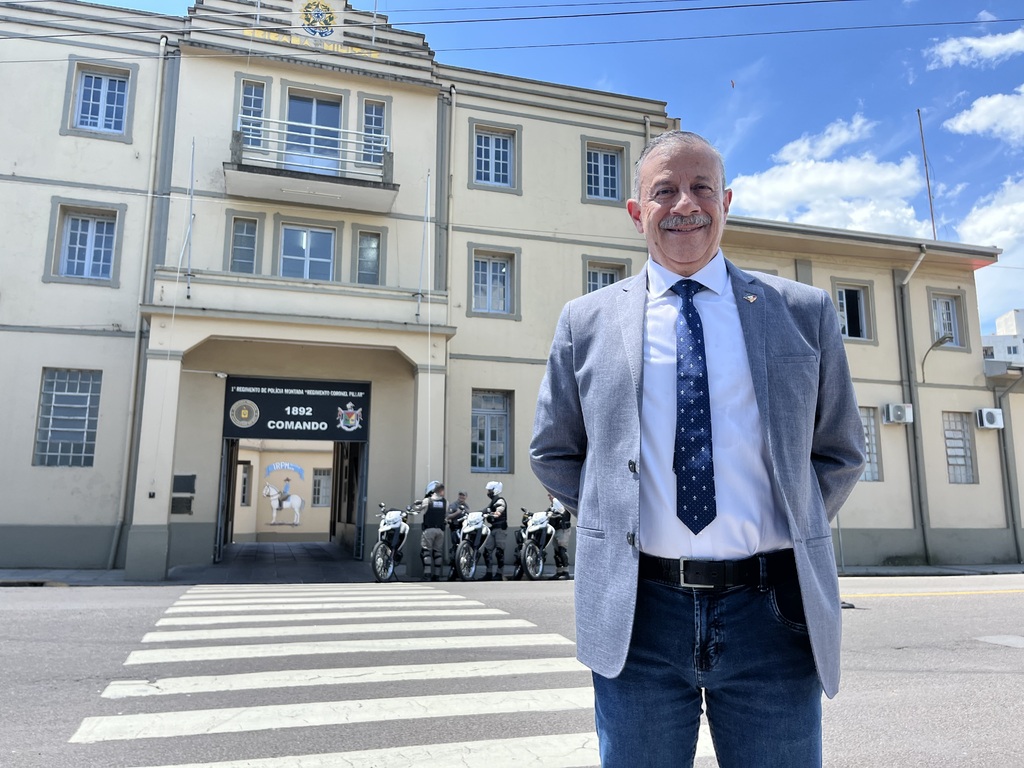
(682, 206)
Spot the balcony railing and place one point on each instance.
(317, 149)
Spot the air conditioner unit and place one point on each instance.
(898, 413)
(990, 418)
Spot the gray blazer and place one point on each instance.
(586, 446)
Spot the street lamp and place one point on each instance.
(943, 339)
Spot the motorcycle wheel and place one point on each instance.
(533, 561)
(465, 561)
(382, 561)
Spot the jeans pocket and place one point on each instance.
(788, 605)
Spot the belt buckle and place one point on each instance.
(682, 573)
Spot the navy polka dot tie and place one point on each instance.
(692, 461)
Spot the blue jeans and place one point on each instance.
(745, 649)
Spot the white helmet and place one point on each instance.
(494, 486)
(432, 486)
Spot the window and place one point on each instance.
(374, 142)
(959, 449)
(101, 102)
(243, 245)
(321, 488)
(872, 466)
(69, 406)
(314, 134)
(307, 253)
(368, 258)
(245, 484)
(1012, 349)
(489, 432)
(853, 306)
(599, 277)
(251, 113)
(948, 318)
(492, 291)
(87, 246)
(494, 158)
(604, 173)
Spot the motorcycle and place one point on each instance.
(392, 531)
(474, 532)
(537, 534)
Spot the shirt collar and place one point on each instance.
(712, 275)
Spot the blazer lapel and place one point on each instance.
(753, 310)
(630, 303)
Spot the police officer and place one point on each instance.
(456, 512)
(497, 516)
(561, 520)
(434, 507)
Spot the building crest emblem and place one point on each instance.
(350, 418)
(318, 18)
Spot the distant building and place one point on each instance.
(259, 243)
(1007, 344)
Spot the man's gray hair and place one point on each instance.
(686, 138)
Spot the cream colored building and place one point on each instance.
(292, 244)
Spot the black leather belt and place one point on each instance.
(779, 567)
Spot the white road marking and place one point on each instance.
(186, 621)
(193, 635)
(375, 645)
(568, 750)
(295, 678)
(310, 715)
(1010, 641)
(339, 604)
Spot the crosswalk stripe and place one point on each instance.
(185, 621)
(568, 750)
(297, 678)
(340, 586)
(375, 645)
(287, 599)
(157, 725)
(191, 635)
(339, 604)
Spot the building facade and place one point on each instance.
(286, 242)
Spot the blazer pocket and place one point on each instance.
(789, 359)
(594, 533)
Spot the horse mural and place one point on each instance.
(293, 502)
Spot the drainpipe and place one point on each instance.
(147, 235)
(1010, 484)
(449, 233)
(908, 366)
(647, 130)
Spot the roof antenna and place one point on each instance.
(924, 154)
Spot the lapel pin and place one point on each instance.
(750, 297)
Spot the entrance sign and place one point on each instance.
(296, 409)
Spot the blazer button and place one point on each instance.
(631, 538)
(632, 466)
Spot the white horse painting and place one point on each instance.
(293, 502)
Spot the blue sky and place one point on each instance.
(817, 127)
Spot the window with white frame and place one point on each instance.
(251, 112)
(492, 283)
(243, 245)
(373, 131)
(69, 406)
(494, 158)
(959, 438)
(600, 276)
(853, 306)
(604, 173)
(489, 431)
(1012, 349)
(321, 488)
(947, 318)
(368, 258)
(87, 246)
(245, 484)
(307, 252)
(872, 465)
(101, 102)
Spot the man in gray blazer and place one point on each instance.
(704, 432)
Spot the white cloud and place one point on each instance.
(1000, 115)
(975, 51)
(860, 193)
(998, 219)
(821, 146)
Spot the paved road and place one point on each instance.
(479, 674)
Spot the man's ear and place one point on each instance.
(633, 208)
(727, 200)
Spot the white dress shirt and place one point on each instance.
(747, 521)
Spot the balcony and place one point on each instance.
(307, 164)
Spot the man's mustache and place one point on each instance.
(677, 222)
